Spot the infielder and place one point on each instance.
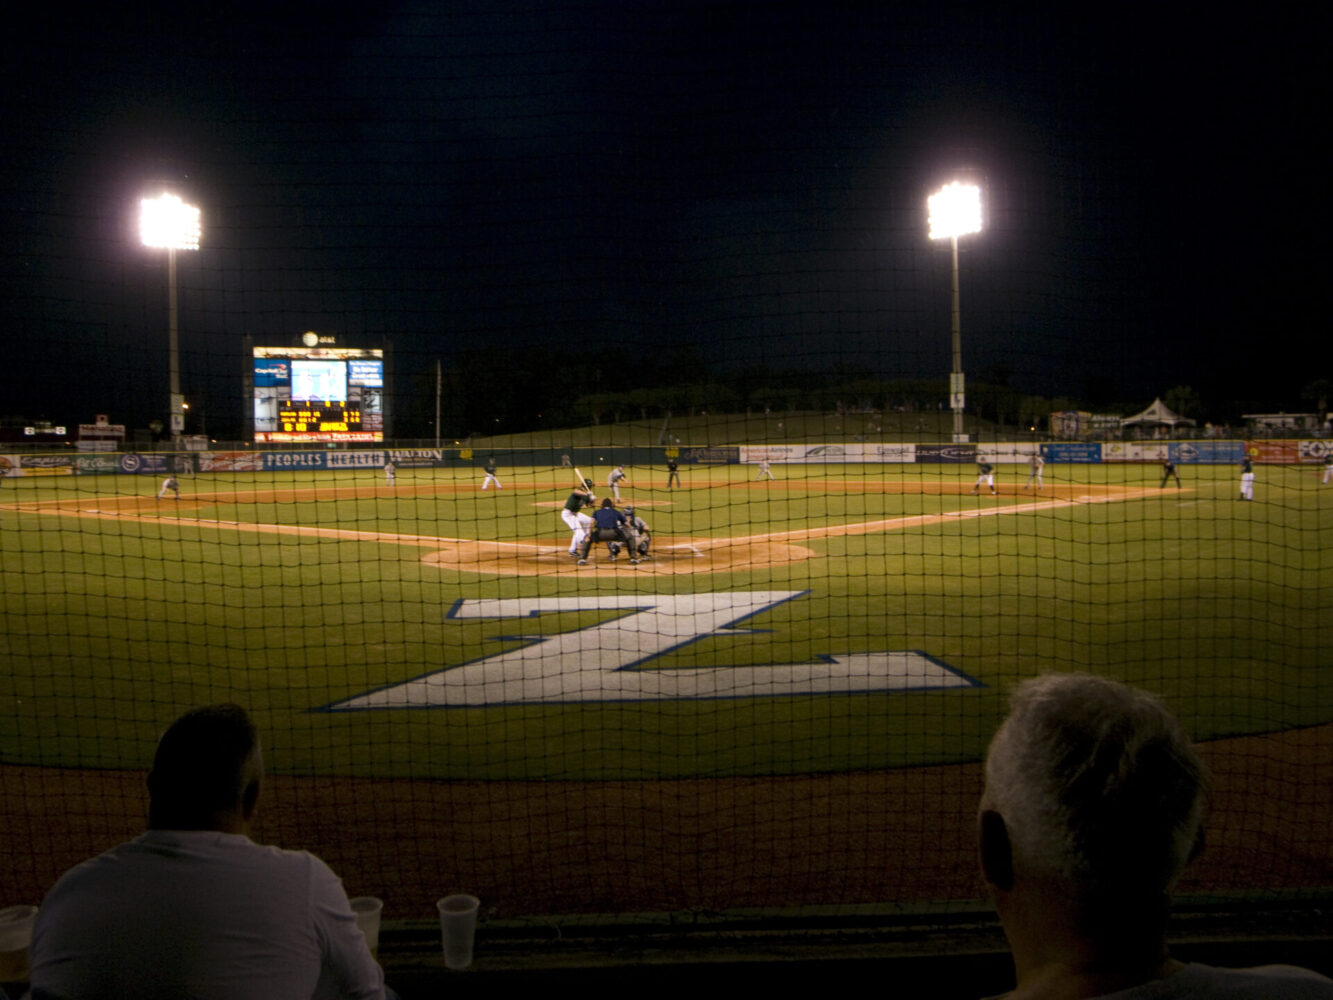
(490, 475)
(1035, 464)
(765, 470)
(1246, 479)
(1328, 468)
(1168, 472)
(575, 519)
(390, 471)
(614, 480)
(169, 483)
(985, 474)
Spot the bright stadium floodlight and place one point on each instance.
(954, 211)
(166, 222)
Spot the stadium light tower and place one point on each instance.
(955, 210)
(167, 222)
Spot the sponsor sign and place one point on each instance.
(409, 458)
(894, 452)
(91, 465)
(107, 445)
(101, 430)
(231, 461)
(355, 459)
(1133, 451)
(137, 464)
(1068, 452)
(293, 460)
(47, 465)
(1284, 452)
(9, 465)
(712, 456)
(960, 453)
(1010, 453)
(1206, 452)
(1314, 451)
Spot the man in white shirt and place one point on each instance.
(193, 907)
(1092, 807)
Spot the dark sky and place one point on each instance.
(745, 178)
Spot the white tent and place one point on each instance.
(1157, 415)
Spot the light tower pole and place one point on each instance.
(167, 222)
(954, 211)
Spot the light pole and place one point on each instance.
(955, 210)
(166, 221)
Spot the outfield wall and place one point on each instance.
(1263, 452)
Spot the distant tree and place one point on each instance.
(1183, 400)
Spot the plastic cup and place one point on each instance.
(15, 935)
(367, 910)
(458, 926)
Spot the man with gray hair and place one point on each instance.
(1093, 806)
(193, 907)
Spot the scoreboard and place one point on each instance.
(319, 392)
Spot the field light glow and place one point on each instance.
(166, 221)
(955, 211)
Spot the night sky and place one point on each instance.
(744, 182)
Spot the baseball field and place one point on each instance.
(803, 667)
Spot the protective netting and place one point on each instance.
(674, 255)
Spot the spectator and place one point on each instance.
(1092, 807)
(193, 907)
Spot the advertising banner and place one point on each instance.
(1206, 452)
(712, 456)
(417, 458)
(94, 465)
(293, 460)
(1314, 450)
(1061, 452)
(9, 465)
(1134, 451)
(946, 453)
(231, 461)
(1006, 453)
(1283, 452)
(893, 453)
(354, 459)
(148, 465)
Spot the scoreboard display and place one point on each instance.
(319, 392)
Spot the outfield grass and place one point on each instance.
(114, 619)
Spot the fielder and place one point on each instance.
(614, 480)
(390, 471)
(986, 475)
(1035, 464)
(574, 518)
(1328, 468)
(490, 475)
(169, 483)
(1246, 479)
(1169, 471)
(765, 470)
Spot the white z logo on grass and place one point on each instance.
(606, 662)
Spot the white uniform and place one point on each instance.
(577, 522)
(1247, 481)
(1036, 463)
(490, 476)
(169, 484)
(764, 470)
(613, 481)
(389, 471)
(1328, 470)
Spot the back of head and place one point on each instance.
(206, 770)
(1098, 786)
(606, 502)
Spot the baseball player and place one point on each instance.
(610, 526)
(490, 475)
(1246, 479)
(642, 535)
(673, 473)
(390, 471)
(614, 480)
(574, 518)
(1168, 472)
(985, 474)
(1328, 468)
(1035, 464)
(765, 470)
(169, 483)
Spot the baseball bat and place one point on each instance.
(578, 475)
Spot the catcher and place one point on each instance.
(612, 527)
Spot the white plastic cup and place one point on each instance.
(15, 936)
(367, 910)
(458, 927)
